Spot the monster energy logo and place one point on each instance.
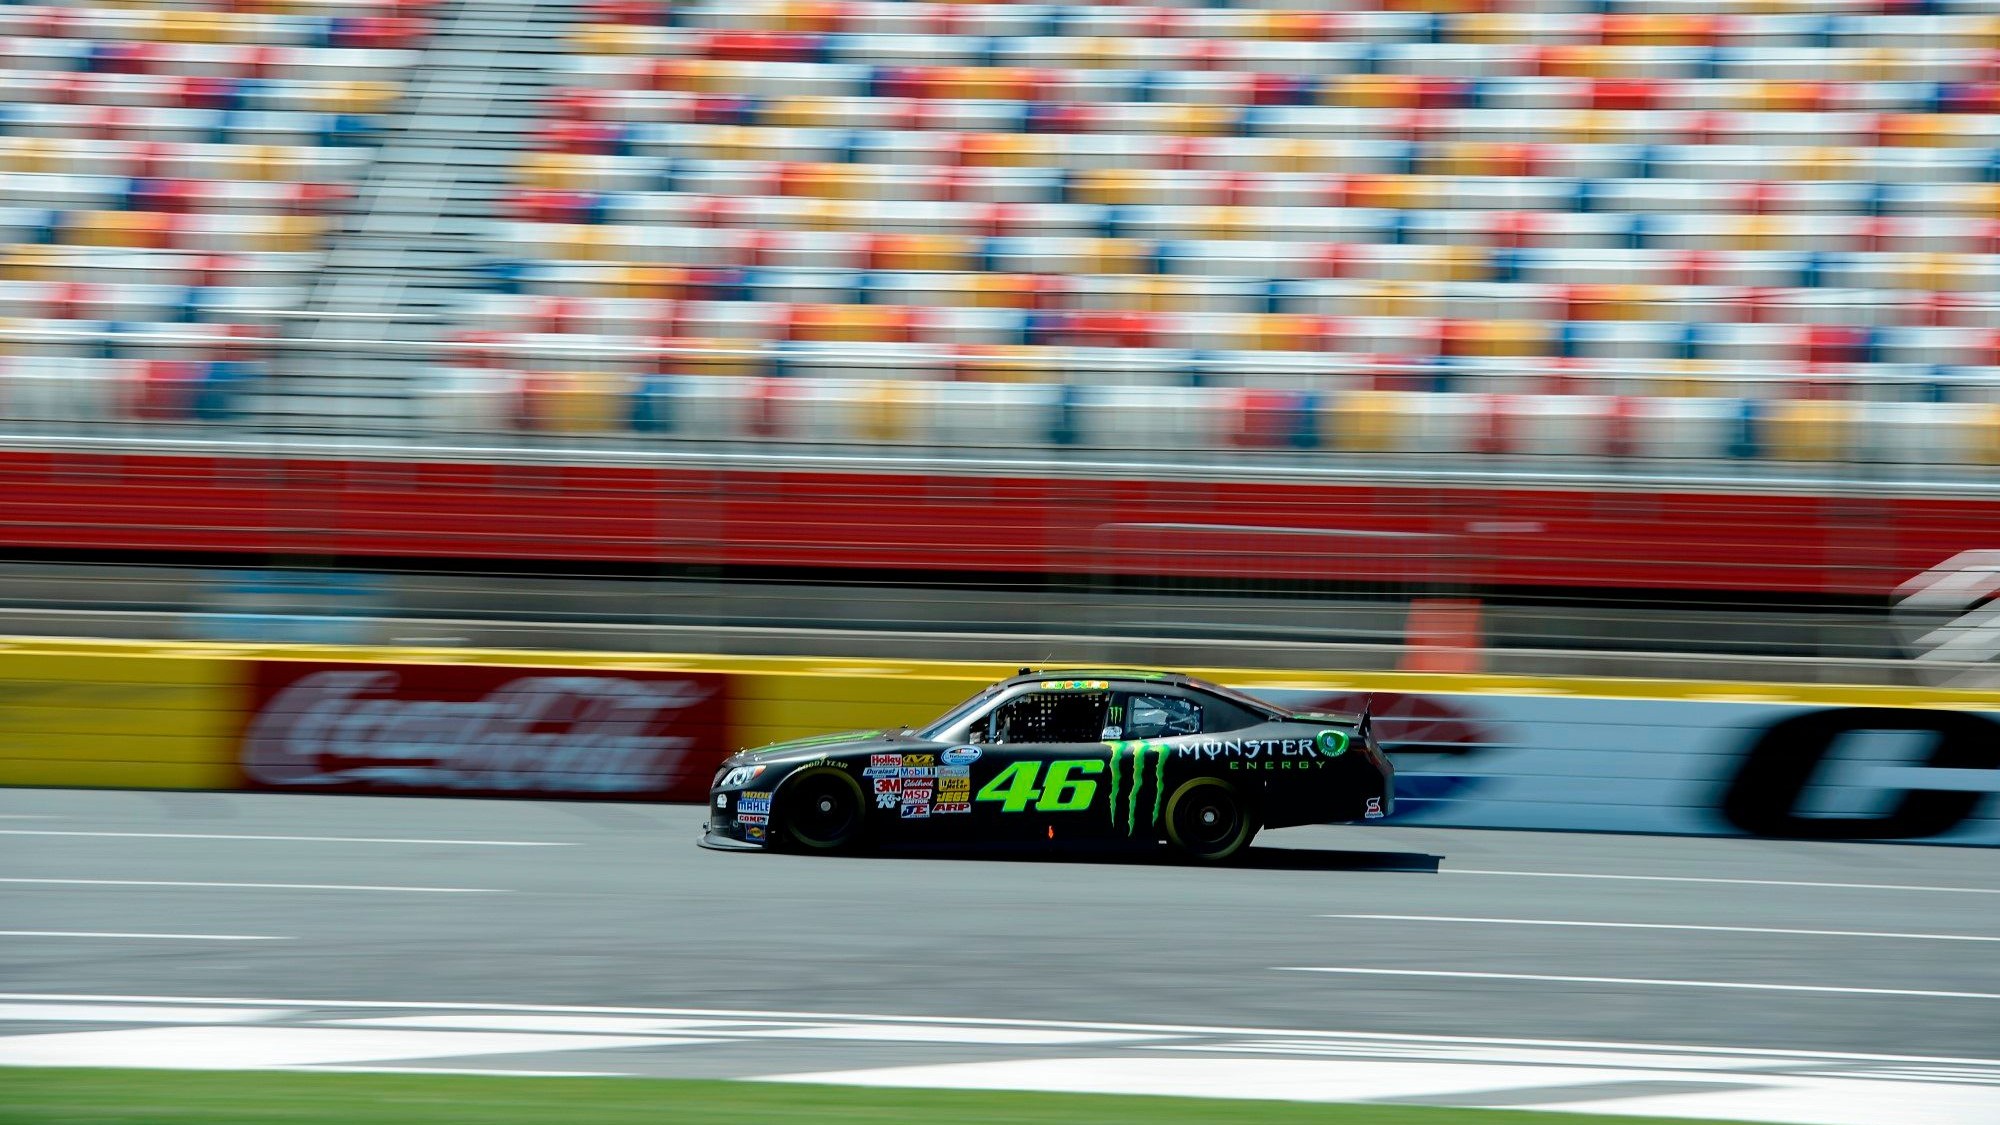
(1138, 749)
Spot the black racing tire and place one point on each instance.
(821, 809)
(1209, 820)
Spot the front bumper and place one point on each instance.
(722, 843)
(727, 830)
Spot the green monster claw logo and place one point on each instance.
(1138, 749)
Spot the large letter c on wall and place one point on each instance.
(1779, 766)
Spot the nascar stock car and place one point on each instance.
(1070, 756)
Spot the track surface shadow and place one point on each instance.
(1254, 858)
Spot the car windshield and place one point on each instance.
(952, 717)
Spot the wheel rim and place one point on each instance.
(1208, 820)
(824, 812)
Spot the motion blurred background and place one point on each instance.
(1655, 337)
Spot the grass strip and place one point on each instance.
(76, 1096)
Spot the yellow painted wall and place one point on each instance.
(139, 717)
(160, 715)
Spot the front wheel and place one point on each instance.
(822, 810)
(1208, 820)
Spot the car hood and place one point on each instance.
(821, 745)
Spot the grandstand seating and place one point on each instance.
(1724, 229)
(1670, 227)
(168, 178)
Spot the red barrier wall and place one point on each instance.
(1065, 525)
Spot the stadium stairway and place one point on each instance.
(410, 245)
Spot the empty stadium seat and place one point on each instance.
(167, 176)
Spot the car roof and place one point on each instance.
(1131, 675)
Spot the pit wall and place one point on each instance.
(1697, 758)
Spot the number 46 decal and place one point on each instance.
(1016, 786)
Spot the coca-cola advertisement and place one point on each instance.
(484, 730)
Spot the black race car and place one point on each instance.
(1069, 756)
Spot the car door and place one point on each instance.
(1040, 763)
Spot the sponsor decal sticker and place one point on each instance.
(917, 793)
(960, 756)
(482, 729)
(1252, 749)
(722, 800)
(920, 759)
(954, 771)
(951, 789)
(746, 805)
(752, 818)
(945, 808)
(754, 832)
(887, 800)
(916, 812)
(1374, 809)
(882, 771)
(1076, 685)
(920, 771)
(885, 759)
(888, 785)
(1137, 751)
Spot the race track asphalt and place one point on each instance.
(621, 908)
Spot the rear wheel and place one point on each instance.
(822, 810)
(1208, 820)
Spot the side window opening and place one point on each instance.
(1050, 716)
(1221, 715)
(1160, 716)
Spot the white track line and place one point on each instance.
(311, 839)
(740, 1014)
(1649, 982)
(1661, 926)
(261, 886)
(1737, 882)
(140, 937)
